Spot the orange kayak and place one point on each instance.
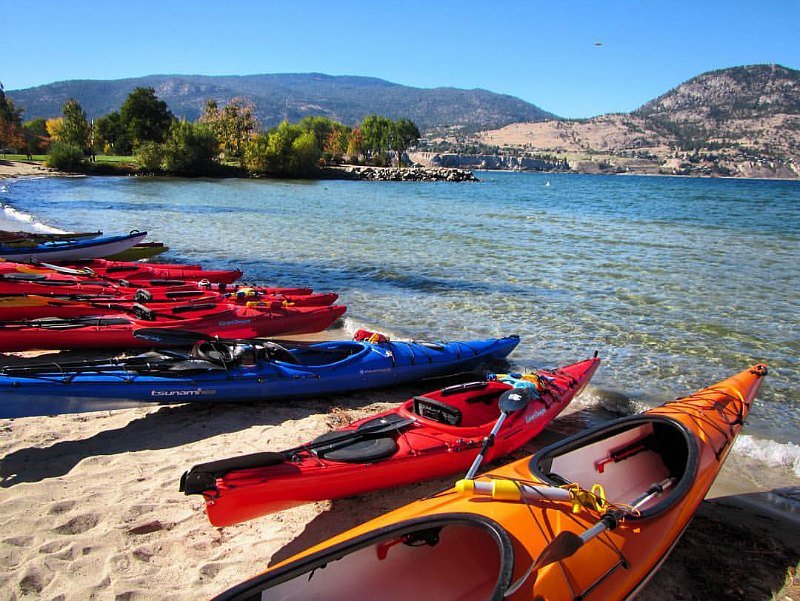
(590, 517)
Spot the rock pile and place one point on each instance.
(409, 174)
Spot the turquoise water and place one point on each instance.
(676, 282)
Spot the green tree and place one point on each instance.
(321, 127)
(144, 117)
(75, 128)
(305, 154)
(233, 125)
(286, 150)
(190, 149)
(148, 156)
(254, 158)
(65, 157)
(405, 134)
(378, 132)
(111, 135)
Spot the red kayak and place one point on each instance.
(116, 330)
(126, 270)
(54, 284)
(426, 437)
(32, 306)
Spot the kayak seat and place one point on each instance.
(142, 312)
(437, 411)
(272, 351)
(358, 451)
(212, 351)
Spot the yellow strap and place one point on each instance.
(590, 499)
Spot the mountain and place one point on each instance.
(346, 99)
(742, 121)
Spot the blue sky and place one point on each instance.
(543, 52)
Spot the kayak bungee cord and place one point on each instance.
(566, 543)
(696, 409)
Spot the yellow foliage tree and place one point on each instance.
(54, 128)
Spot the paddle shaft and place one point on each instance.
(610, 519)
(487, 443)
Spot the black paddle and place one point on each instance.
(178, 337)
(567, 543)
(510, 401)
(203, 476)
(104, 364)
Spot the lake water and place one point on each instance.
(676, 282)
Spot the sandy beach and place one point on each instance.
(23, 169)
(90, 508)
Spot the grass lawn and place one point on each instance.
(40, 158)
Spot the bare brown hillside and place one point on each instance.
(741, 122)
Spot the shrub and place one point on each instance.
(190, 149)
(148, 156)
(65, 157)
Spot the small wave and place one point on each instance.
(12, 214)
(774, 454)
(351, 326)
(610, 400)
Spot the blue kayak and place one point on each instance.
(217, 371)
(72, 250)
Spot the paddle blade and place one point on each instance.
(170, 337)
(514, 399)
(562, 546)
(203, 477)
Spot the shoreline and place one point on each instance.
(22, 169)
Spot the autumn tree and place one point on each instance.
(10, 122)
(336, 142)
(355, 143)
(233, 125)
(54, 127)
(36, 138)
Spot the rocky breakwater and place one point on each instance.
(406, 174)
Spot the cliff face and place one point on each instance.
(743, 121)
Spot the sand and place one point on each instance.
(10, 169)
(90, 508)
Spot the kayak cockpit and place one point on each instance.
(451, 556)
(462, 405)
(327, 353)
(625, 458)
